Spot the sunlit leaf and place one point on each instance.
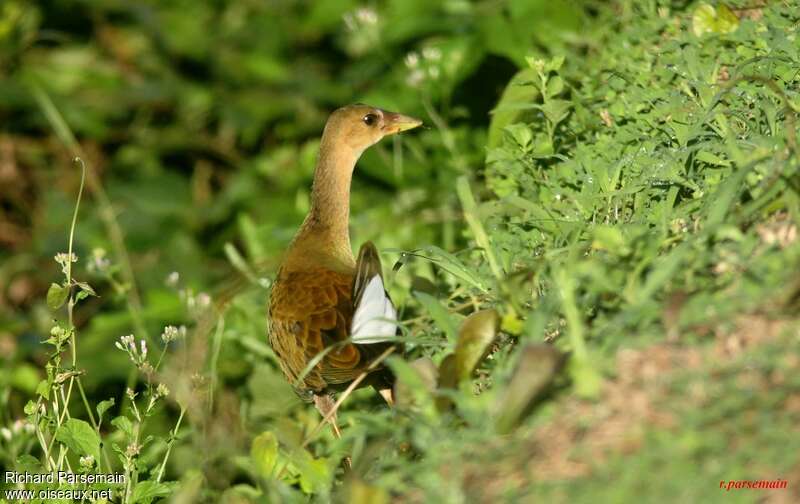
(475, 337)
(264, 452)
(708, 19)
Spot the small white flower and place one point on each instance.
(203, 300)
(144, 350)
(171, 333)
(367, 16)
(6, 433)
(162, 390)
(132, 450)
(62, 258)
(415, 78)
(432, 53)
(87, 461)
(98, 263)
(412, 60)
(349, 22)
(173, 279)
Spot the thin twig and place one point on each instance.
(347, 393)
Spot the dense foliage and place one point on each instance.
(616, 180)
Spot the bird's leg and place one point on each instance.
(325, 404)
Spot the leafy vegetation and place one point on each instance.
(594, 246)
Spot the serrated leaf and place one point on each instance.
(79, 437)
(28, 463)
(43, 389)
(521, 134)
(30, 407)
(146, 491)
(124, 424)
(556, 110)
(56, 296)
(86, 288)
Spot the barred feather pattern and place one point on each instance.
(309, 311)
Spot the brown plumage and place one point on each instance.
(319, 284)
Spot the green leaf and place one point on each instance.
(454, 266)
(56, 296)
(475, 338)
(514, 105)
(43, 389)
(28, 463)
(124, 424)
(712, 159)
(314, 473)
(611, 239)
(554, 64)
(79, 437)
(30, 407)
(707, 19)
(86, 288)
(415, 382)
(448, 375)
(538, 364)
(521, 134)
(556, 110)
(103, 407)
(264, 452)
(440, 315)
(554, 86)
(146, 491)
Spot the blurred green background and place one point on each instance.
(618, 179)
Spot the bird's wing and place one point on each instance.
(374, 317)
(311, 310)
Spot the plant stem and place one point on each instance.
(172, 437)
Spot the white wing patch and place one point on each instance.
(375, 318)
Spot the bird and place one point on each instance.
(329, 314)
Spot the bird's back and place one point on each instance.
(310, 310)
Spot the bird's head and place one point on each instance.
(360, 126)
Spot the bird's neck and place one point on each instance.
(326, 230)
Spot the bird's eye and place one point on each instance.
(370, 119)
